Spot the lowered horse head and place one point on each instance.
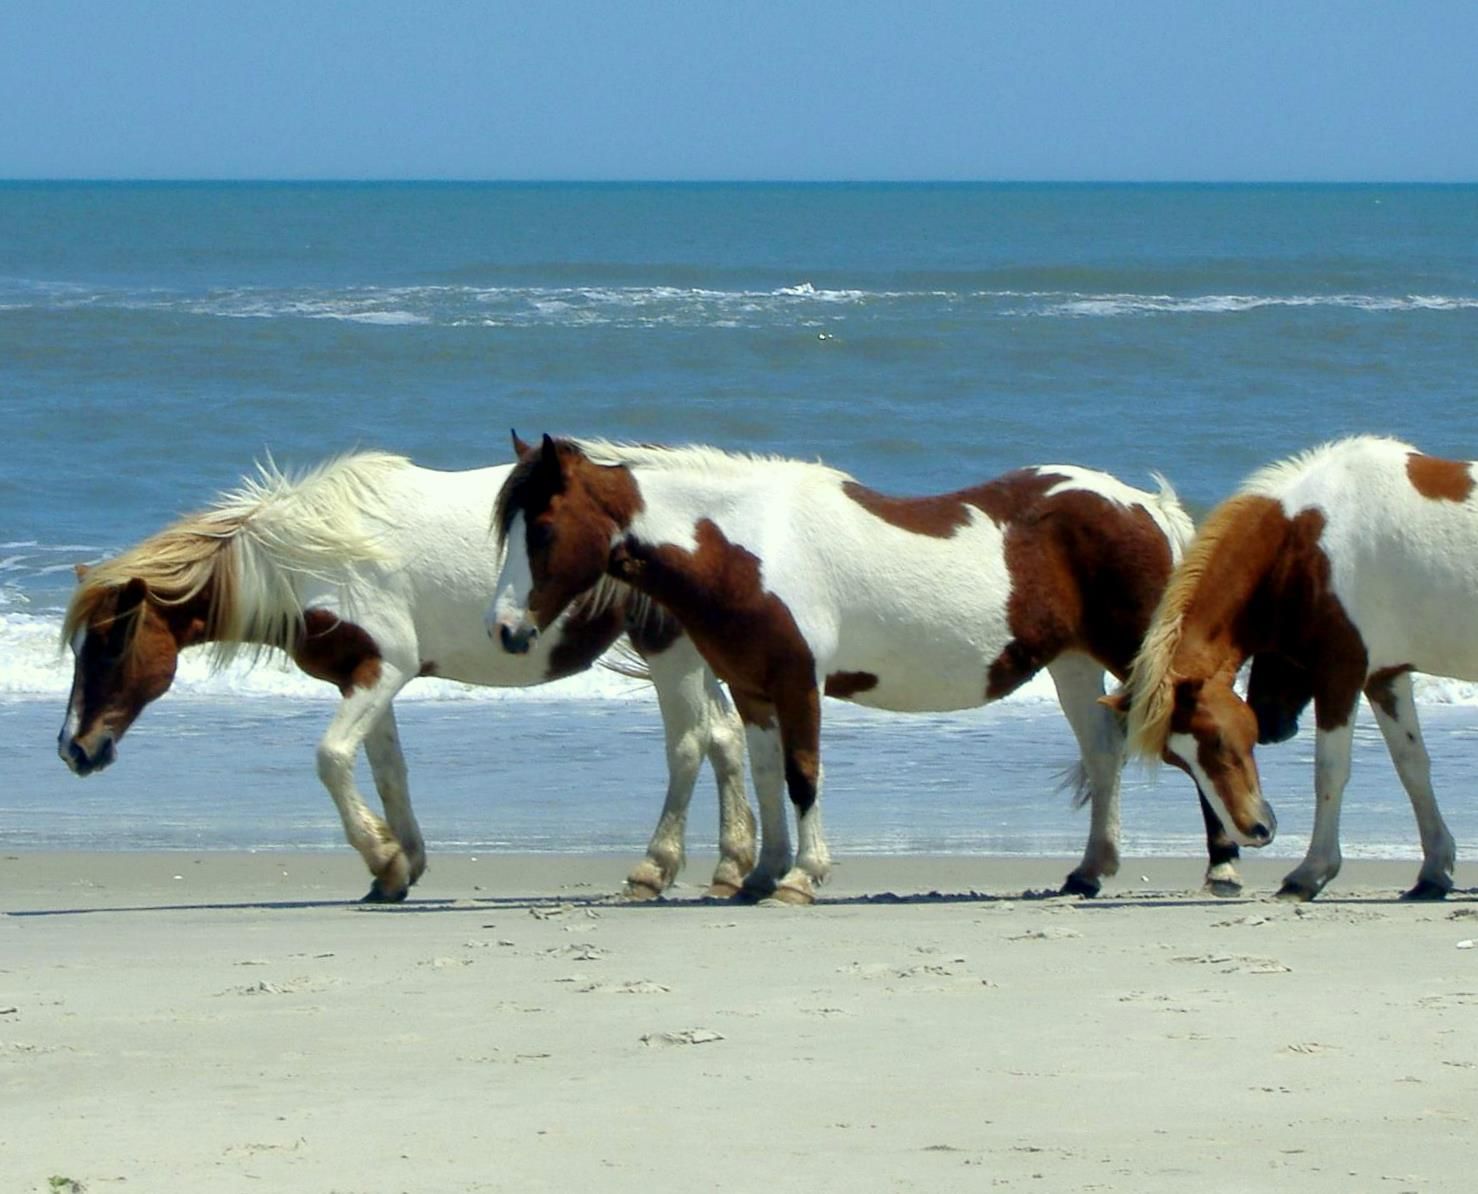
(558, 516)
(1180, 697)
(125, 644)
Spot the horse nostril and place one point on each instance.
(516, 642)
(1261, 833)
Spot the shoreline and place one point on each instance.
(335, 874)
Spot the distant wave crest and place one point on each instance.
(801, 303)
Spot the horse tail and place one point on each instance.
(1166, 509)
(1075, 779)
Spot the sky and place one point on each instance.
(1149, 90)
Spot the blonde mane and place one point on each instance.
(251, 550)
(1151, 683)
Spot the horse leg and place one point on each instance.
(1221, 854)
(767, 767)
(696, 720)
(1395, 713)
(357, 715)
(387, 764)
(800, 736)
(1100, 735)
(1331, 773)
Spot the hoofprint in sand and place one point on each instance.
(929, 1024)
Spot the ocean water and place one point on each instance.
(156, 338)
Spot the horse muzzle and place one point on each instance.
(80, 761)
(1263, 830)
(517, 640)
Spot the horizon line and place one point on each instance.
(456, 180)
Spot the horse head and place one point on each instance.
(557, 524)
(126, 646)
(1213, 733)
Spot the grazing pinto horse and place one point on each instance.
(794, 580)
(1347, 568)
(369, 572)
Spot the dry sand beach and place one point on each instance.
(179, 1022)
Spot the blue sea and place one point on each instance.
(155, 339)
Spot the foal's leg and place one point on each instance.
(387, 764)
(357, 716)
(1100, 735)
(1331, 773)
(1395, 713)
(697, 720)
(800, 736)
(767, 767)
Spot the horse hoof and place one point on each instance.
(1080, 885)
(1427, 889)
(797, 897)
(721, 889)
(639, 891)
(1296, 893)
(380, 894)
(1224, 889)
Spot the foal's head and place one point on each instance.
(126, 646)
(558, 517)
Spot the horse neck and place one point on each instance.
(1247, 597)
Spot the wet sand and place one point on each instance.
(174, 1022)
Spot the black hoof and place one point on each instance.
(754, 890)
(1080, 885)
(1426, 890)
(379, 894)
(1224, 889)
(1297, 892)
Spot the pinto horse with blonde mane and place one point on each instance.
(794, 580)
(1353, 566)
(369, 572)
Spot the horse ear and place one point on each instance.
(549, 461)
(81, 570)
(521, 449)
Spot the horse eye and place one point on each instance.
(540, 536)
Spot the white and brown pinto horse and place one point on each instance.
(794, 580)
(1353, 566)
(370, 572)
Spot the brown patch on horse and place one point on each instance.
(745, 632)
(1379, 688)
(1438, 479)
(428, 668)
(747, 635)
(1086, 574)
(845, 685)
(939, 516)
(331, 649)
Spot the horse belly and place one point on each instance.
(928, 676)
